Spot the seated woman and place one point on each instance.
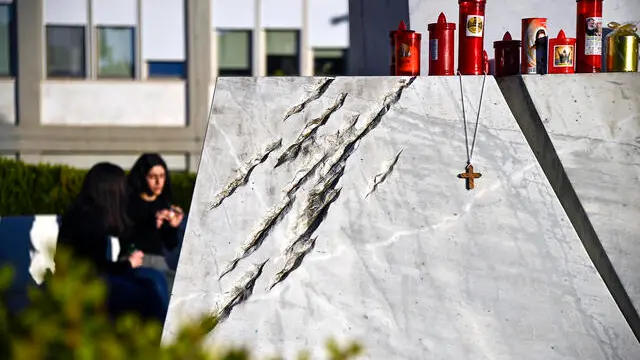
(98, 214)
(156, 219)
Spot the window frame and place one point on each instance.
(134, 54)
(151, 76)
(344, 58)
(13, 42)
(298, 56)
(236, 72)
(85, 68)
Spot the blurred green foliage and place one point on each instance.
(49, 189)
(67, 320)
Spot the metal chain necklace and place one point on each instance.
(469, 175)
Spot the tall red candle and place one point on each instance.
(441, 43)
(471, 37)
(589, 36)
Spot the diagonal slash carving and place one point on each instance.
(304, 174)
(381, 177)
(309, 130)
(242, 175)
(324, 192)
(347, 147)
(241, 291)
(303, 247)
(278, 211)
(318, 203)
(320, 199)
(315, 94)
(273, 217)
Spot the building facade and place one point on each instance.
(87, 80)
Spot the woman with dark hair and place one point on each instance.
(87, 228)
(156, 219)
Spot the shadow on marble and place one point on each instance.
(585, 130)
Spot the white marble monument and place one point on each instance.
(333, 208)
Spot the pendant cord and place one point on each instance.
(464, 118)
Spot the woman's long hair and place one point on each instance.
(138, 176)
(104, 191)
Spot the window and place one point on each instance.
(329, 62)
(283, 53)
(8, 49)
(116, 52)
(234, 53)
(166, 69)
(66, 51)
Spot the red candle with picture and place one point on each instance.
(471, 37)
(534, 32)
(589, 36)
(405, 58)
(562, 54)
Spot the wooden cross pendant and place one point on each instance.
(469, 176)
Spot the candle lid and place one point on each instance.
(563, 39)
(442, 24)
(402, 27)
(507, 41)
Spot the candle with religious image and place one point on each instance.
(534, 35)
(405, 57)
(562, 54)
(589, 36)
(471, 37)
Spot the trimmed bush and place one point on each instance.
(49, 189)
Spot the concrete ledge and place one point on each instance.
(98, 139)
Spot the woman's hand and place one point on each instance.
(136, 258)
(175, 216)
(162, 216)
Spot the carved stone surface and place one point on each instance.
(333, 209)
(593, 123)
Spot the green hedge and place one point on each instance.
(49, 189)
